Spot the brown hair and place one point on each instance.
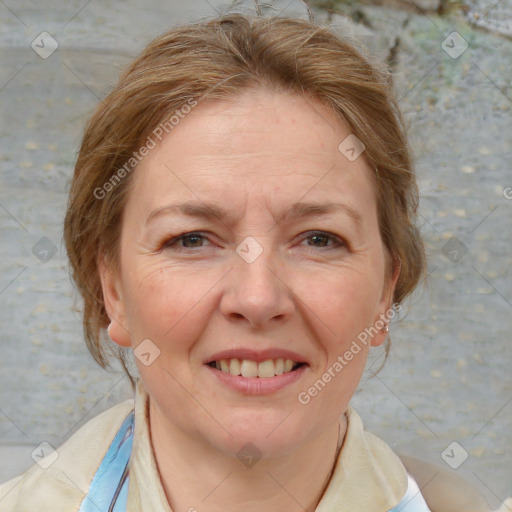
(220, 58)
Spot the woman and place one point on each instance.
(242, 218)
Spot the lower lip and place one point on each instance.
(256, 385)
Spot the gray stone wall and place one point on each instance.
(448, 377)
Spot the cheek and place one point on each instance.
(164, 303)
(344, 300)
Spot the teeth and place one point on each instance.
(266, 369)
(279, 366)
(248, 368)
(234, 367)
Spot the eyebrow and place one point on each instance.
(296, 211)
(301, 210)
(191, 209)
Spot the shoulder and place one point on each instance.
(60, 481)
(391, 485)
(413, 501)
(443, 489)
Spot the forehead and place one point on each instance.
(261, 145)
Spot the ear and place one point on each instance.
(386, 313)
(114, 303)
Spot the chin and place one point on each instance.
(271, 435)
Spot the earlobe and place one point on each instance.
(118, 334)
(114, 304)
(382, 323)
(381, 336)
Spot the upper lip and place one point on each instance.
(256, 355)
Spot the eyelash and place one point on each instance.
(173, 242)
(336, 240)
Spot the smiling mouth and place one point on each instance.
(248, 368)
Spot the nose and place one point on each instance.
(256, 293)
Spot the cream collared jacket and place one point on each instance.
(367, 475)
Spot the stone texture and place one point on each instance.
(492, 15)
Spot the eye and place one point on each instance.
(322, 239)
(192, 240)
(185, 241)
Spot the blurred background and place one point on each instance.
(445, 392)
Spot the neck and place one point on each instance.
(197, 477)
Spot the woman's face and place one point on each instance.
(249, 236)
